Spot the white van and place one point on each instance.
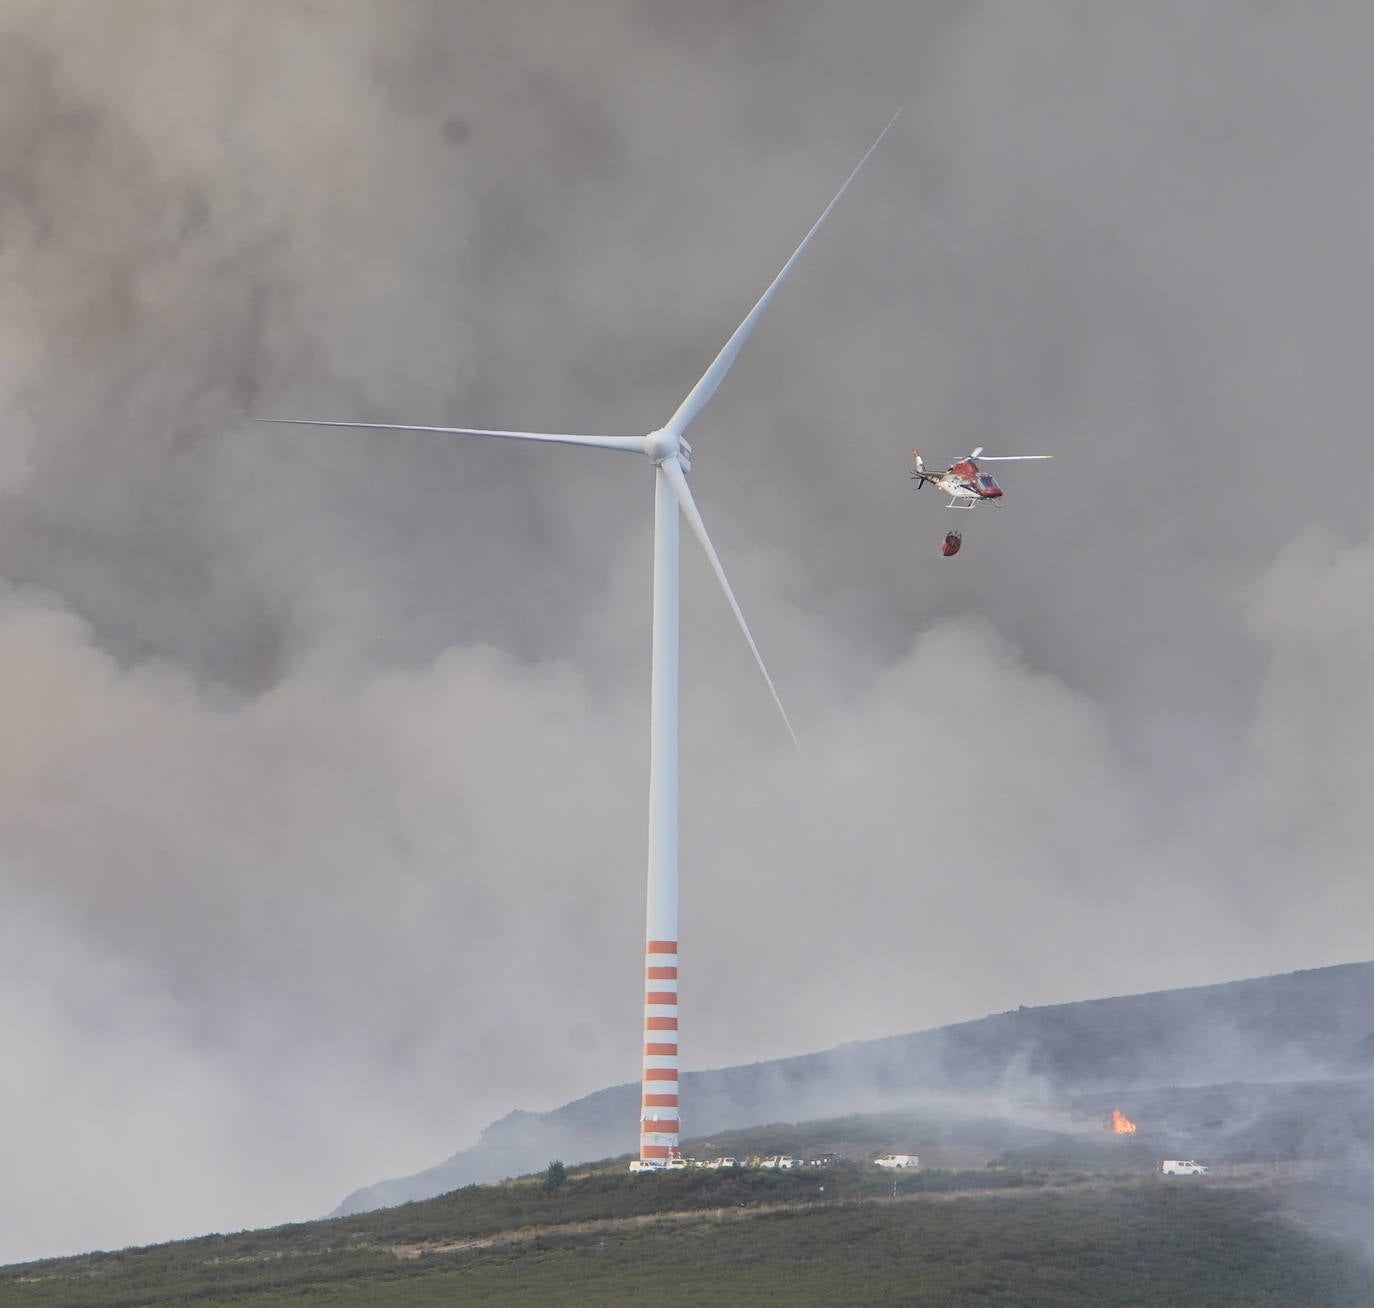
(898, 1160)
(1182, 1167)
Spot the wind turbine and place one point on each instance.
(668, 450)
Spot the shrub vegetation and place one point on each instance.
(750, 1237)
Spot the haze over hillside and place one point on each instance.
(1030, 1063)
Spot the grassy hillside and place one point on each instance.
(948, 1237)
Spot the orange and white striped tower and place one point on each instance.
(659, 1123)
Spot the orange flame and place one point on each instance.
(1122, 1124)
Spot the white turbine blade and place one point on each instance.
(678, 481)
(1012, 458)
(635, 443)
(715, 374)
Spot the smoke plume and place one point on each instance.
(323, 788)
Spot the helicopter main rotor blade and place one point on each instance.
(715, 374)
(1011, 458)
(672, 470)
(635, 443)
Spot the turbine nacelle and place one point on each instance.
(665, 444)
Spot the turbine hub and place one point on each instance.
(664, 444)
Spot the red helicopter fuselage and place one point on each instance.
(963, 480)
(966, 481)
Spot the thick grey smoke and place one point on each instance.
(324, 773)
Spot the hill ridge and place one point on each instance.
(1294, 1026)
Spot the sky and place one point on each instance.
(322, 824)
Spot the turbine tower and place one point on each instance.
(668, 450)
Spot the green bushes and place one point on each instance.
(555, 1175)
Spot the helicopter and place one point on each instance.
(966, 484)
